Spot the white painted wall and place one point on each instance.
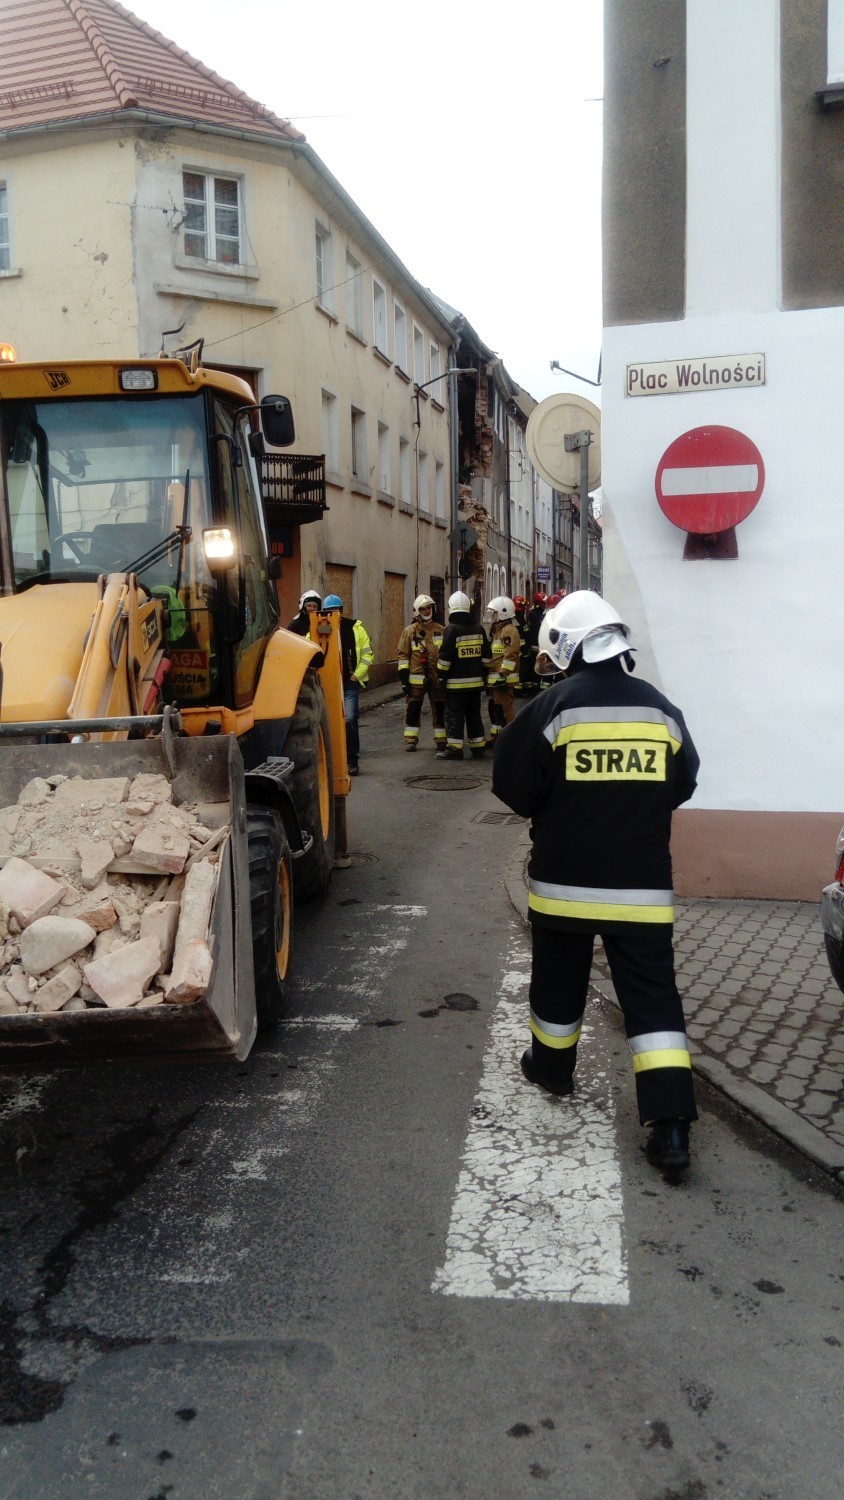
(749, 649)
(732, 144)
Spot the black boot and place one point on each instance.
(559, 1086)
(667, 1146)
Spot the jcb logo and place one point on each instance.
(56, 379)
(636, 760)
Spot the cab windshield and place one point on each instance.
(122, 484)
(94, 485)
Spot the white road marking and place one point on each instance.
(538, 1211)
(238, 1166)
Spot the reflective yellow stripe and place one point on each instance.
(554, 1041)
(599, 911)
(599, 729)
(673, 1057)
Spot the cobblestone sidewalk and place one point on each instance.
(764, 1016)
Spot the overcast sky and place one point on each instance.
(468, 132)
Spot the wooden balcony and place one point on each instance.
(293, 487)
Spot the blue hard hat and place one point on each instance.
(332, 601)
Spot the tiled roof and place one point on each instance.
(66, 60)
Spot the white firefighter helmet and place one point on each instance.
(311, 594)
(503, 607)
(459, 604)
(581, 619)
(424, 601)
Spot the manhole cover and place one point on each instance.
(362, 859)
(446, 783)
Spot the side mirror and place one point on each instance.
(277, 421)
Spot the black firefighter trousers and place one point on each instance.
(642, 968)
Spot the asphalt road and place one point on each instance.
(371, 1262)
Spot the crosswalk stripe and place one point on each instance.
(538, 1211)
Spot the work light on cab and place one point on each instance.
(218, 544)
(138, 380)
(8, 354)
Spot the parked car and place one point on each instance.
(832, 916)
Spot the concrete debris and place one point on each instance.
(161, 847)
(55, 994)
(122, 978)
(95, 855)
(160, 920)
(106, 891)
(26, 892)
(191, 973)
(49, 940)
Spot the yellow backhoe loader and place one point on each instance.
(139, 632)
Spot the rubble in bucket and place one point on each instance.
(106, 889)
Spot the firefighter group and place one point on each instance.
(453, 666)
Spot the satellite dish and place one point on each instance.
(548, 425)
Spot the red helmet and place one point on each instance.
(540, 598)
(554, 599)
(519, 600)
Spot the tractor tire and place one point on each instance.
(271, 901)
(308, 744)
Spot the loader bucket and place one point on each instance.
(223, 1022)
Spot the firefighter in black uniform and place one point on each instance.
(464, 661)
(599, 763)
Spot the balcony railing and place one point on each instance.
(293, 486)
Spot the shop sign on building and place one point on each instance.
(676, 377)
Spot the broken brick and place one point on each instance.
(121, 978)
(161, 848)
(27, 892)
(191, 974)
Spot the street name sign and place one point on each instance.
(677, 377)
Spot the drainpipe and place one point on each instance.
(507, 500)
(453, 434)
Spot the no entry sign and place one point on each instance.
(709, 479)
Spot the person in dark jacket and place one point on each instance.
(598, 764)
(463, 664)
(309, 605)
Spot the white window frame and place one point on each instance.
(835, 42)
(360, 455)
(330, 434)
(379, 317)
(214, 241)
(5, 227)
(354, 295)
(400, 336)
(438, 390)
(324, 265)
(439, 490)
(385, 476)
(405, 495)
(423, 483)
(418, 355)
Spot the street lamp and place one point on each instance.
(555, 365)
(418, 388)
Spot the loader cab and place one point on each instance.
(142, 481)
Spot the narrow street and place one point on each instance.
(372, 1262)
